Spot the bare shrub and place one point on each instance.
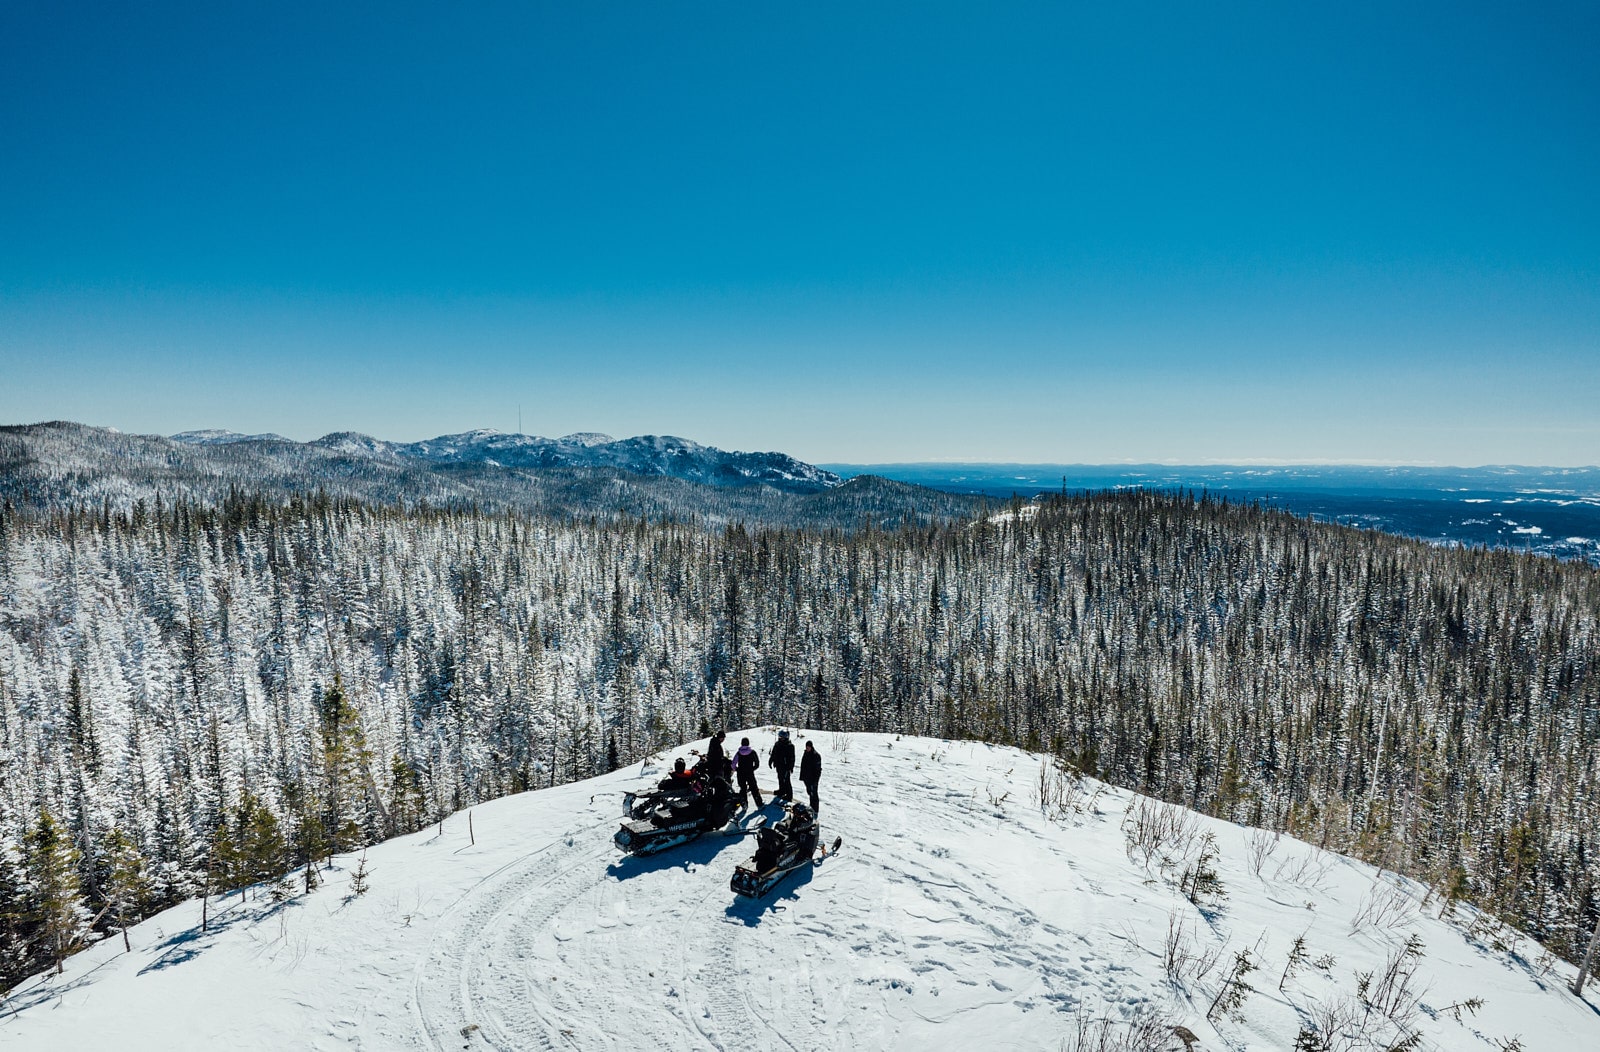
(1183, 957)
(1156, 832)
(1178, 949)
(1141, 1034)
(1493, 932)
(1385, 906)
(1263, 844)
(1380, 1017)
(1393, 993)
(997, 801)
(1061, 791)
(1308, 869)
(1332, 1026)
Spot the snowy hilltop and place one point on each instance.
(983, 898)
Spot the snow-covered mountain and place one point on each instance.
(641, 455)
(982, 899)
(217, 437)
(60, 463)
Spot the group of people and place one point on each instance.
(746, 761)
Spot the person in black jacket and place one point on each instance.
(781, 760)
(716, 761)
(745, 761)
(811, 772)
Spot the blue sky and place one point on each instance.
(1025, 233)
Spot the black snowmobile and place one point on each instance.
(675, 812)
(781, 848)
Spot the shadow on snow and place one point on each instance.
(751, 912)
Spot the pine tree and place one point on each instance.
(261, 847)
(345, 763)
(57, 908)
(16, 922)
(406, 803)
(309, 839)
(128, 884)
(80, 725)
(223, 862)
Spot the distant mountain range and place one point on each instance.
(1553, 511)
(641, 455)
(62, 463)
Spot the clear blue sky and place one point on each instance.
(854, 232)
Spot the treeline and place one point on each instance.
(198, 698)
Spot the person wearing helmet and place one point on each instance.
(781, 760)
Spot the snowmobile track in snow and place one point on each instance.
(733, 1018)
(448, 1006)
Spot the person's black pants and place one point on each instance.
(811, 789)
(785, 788)
(748, 788)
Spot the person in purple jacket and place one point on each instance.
(745, 762)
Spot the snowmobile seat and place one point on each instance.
(769, 847)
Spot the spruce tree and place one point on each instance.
(16, 921)
(57, 909)
(222, 860)
(128, 884)
(261, 847)
(345, 763)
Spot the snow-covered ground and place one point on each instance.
(960, 914)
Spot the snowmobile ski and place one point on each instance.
(830, 849)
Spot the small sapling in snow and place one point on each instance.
(359, 879)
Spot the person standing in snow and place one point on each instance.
(716, 762)
(781, 760)
(811, 772)
(745, 761)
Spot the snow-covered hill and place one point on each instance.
(962, 912)
(55, 465)
(641, 455)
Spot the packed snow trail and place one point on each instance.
(960, 914)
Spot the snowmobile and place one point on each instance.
(675, 812)
(781, 848)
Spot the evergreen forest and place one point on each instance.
(206, 697)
